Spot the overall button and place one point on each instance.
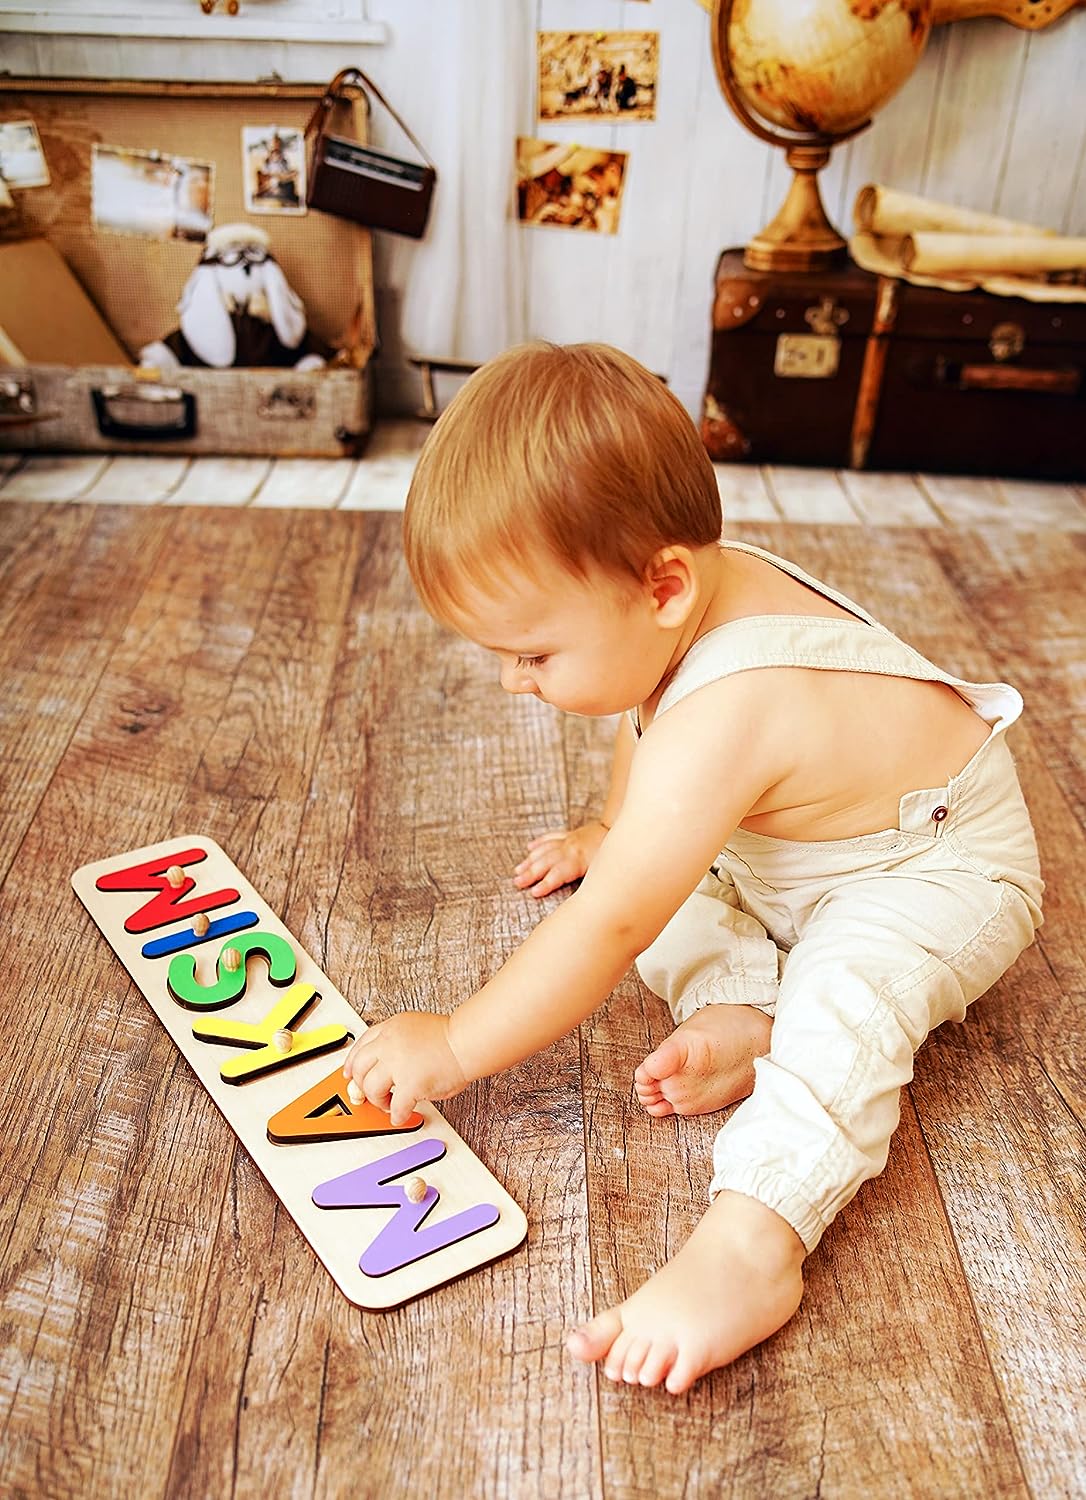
(939, 814)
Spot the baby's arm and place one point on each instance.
(562, 856)
(696, 773)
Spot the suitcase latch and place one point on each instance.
(826, 318)
(1007, 341)
(17, 396)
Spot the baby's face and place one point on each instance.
(589, 646)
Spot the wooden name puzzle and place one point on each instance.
(390, 1211)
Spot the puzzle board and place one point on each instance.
(339, 1169)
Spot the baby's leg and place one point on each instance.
(718, 972)
(884, 960)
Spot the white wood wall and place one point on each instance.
(994, 118)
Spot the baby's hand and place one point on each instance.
(404, 1059)
(558, 858)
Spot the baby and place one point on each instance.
(814, 846)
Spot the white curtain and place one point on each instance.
(465, 287)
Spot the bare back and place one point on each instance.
(852, 742)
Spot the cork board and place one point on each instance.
(135, 282)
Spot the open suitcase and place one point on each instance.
(843, 369)
(135, 281)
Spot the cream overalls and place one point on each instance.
(856, 947)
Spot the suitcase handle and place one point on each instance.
(1064, 380)
(183, 425)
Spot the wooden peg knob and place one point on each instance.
(283, 1040)
(354, 1093)
(415, 1188)
(175, 875)
(231, 959)
(200, 924)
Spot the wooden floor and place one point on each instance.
(265, 677)
(379, 479)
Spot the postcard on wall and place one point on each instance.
(569, 186)
(598, 75)
(22, 160)
(273, 164)
(151, 193)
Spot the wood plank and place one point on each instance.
(1030, 504)
(812, 495)
(1043, 506)
(403, 891)
(118, 1161)
(888, 499)
(895, 148)
(744, 494)
(980, 81)
(304, 483)
(1045, 135)
(832, 1402)
(382, 475)
(221, 481)
(55, 478)
(69, 580)
(137, 479)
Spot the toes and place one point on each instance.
(658, 1362)
(596, 1337)
(684, 1372)
(661, 1108)
(662, 1063)
(634, 1359)
(616, 1358)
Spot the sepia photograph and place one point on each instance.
(148, 193)
(22, 160)
(274, 167)
(569, 186)
(598, 75)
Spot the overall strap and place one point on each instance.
(858, 644)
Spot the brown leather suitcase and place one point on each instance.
(843, 369)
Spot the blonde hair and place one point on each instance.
(576, 452)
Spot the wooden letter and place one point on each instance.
(261, 1035)
(165, 905)
(189, 937)
(186, 989)
(326, 1112)
(403, 1239)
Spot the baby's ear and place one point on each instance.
(671, 581)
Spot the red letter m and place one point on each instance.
(165, 905)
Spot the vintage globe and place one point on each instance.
(805, 74)
(823, 66)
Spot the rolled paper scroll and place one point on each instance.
(934, 254)
(886, 211)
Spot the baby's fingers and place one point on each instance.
(555, 836)
(401, 1105)
(377, 1087)
(532, 869)
(556, 877)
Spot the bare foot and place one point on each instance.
(706, 1062)
(737, 1280)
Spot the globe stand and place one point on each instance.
(800, 237)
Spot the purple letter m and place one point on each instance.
(403, 1239)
